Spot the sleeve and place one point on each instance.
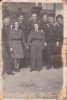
(29, 38)
(43, 37)
(59, 35)
(23, 39)
(10, 40)
(3, 37)
(3, 34)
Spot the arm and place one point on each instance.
(59, 33)
(23, 40)
(29, 38)
(10, 40)
(2, 33)
(43, 39)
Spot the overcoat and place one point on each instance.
(7, 59)
(16, 43)
(37, 44)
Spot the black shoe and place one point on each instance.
(39, 70)
(47, 68)
(17, 70)
(32, 70)
(10, 73)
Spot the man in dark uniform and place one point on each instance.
(22, 26)
(22, 23)
(31, 22)
(59, 30)
(36, 38)
(7, 60)
(44, 26)
(51, 40)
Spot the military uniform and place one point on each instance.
(30, 26)
(44, 27)
(37, 44)
(7, 59)
(22, 26)
(58, 54)
(51, 39)
(24, 61)
(16, 41)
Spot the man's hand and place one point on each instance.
(45, 44)
(30, 44)
(57, 44)
(11, 49)
(27, 47)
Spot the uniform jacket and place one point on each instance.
(51, 35)
(59, 31)
(16, 42)
(30, 26)
(36, 36)
(17, 36)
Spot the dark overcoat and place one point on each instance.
(7, 59)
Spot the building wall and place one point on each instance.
(59, 8)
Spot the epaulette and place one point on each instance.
(42, 31)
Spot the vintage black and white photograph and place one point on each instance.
(32, 40)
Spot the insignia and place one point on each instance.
(42, 31)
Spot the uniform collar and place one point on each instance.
(36, 30)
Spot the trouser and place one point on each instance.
(58, 62)
(27, 57)
(25, 62)
(51, 47)
(8, 64)
(36, 54)
(44, 57)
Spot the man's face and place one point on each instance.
(34, 17)
(7, 21)
(44, 18)
(21, 18)
(36, 26)
(60, 20)
(51, 20)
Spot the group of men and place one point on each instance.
(51, 26)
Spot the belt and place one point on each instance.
(37, 39)
(17, 39)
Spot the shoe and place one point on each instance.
(47, 68)
(32, 70)
(39, 70)
(10, 73)
(17, 70)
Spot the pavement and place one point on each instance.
(26, 84)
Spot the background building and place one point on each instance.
(27, 8)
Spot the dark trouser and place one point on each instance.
(36, 54)
(27, 57)
(51, 47)
(8, 64)
(58, 62)
(25, 62)
(44, 57)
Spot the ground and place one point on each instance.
(26, 84)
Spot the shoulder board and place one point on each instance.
(42, 31)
